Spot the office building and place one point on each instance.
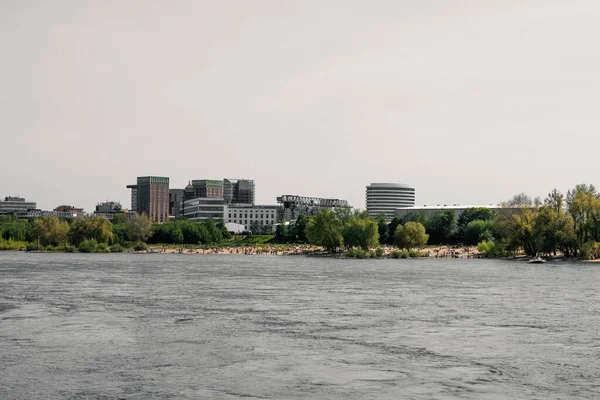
(152, 197)
(385, 198)
(292, 206)
(175, 202)
(203, 208)
(238, 191)
(12, 205)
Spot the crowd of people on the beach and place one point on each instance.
(288, 250)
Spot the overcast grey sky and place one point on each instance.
(470, 101)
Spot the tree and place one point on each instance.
(411, 235)
(396, 221)
(301, 224)
(361, 232)
(97, 228)
(519, 200)
(139, 228)
(441, 225)
(477, 231)
(382, 228)
(472, 214)
(50, 231)
(325, 230)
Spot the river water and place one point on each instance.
(178, 326)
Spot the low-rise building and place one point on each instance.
(11, 205)
(203, 208)
(253, 217)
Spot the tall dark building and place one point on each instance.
(152, 197)
(175, 202)
(238, 191)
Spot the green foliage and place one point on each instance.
(405, 253)
(301, 224)
(117, 248)
(477, 231)
(379, 252)
(590, 251)
(358, 252)
(441, 226)
(488, 248)
(325, 230)
(392, 228)
(411, 235)
(416, 217)
(33, 247)
(139, 228)
(50, 231)
(88, 246)
(360, 232)
(97, 228)
(140, 246)
(12, 244)
(13, 228)
(382, 228)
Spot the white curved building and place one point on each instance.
(387, 197)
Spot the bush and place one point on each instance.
(11, 244)
(140, 246)
(590, 250)
(409, 254)
(489, 249)
(379, 252)
(396, 254)
(102, 248)
(117, 248)
(66, 248)
(357, 252)
(88, 246)
(33, 247)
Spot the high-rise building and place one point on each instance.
(175, 202)
(387, 197)
(211, 188)
(152, 197)
(238, 191)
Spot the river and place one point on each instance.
(179, 326)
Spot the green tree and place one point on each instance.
(472, 214)
(139, 228)
(301, 224)
(382, 228)
(396, 221)
(478, 231)
(411, 235)
(361, 232)
(325, 230)
(50, 231)
(97, 228)
(440, 226)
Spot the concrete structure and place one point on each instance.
(110, 208)
(203, 208)
(238, 191)
(152, 197)
(70, 209)
(387, 197)
(235, 228)
(292, 206)
(429, 211)
(211, 188)
(253, 217)
(134, 197)
(41, 213)
(175, 202)
(11, 205)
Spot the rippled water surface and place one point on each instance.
(156, 326)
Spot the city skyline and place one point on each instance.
(468, 103)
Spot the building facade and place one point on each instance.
(292, 206)
(238, 191)
(387, 197)
(152, 197)
(175, 202)
(203, 208)
(11, 205)
(252, 217)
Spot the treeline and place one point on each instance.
(560, 224)
(94, 234)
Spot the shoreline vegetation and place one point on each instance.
(560, 227)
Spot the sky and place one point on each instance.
(468, 101)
